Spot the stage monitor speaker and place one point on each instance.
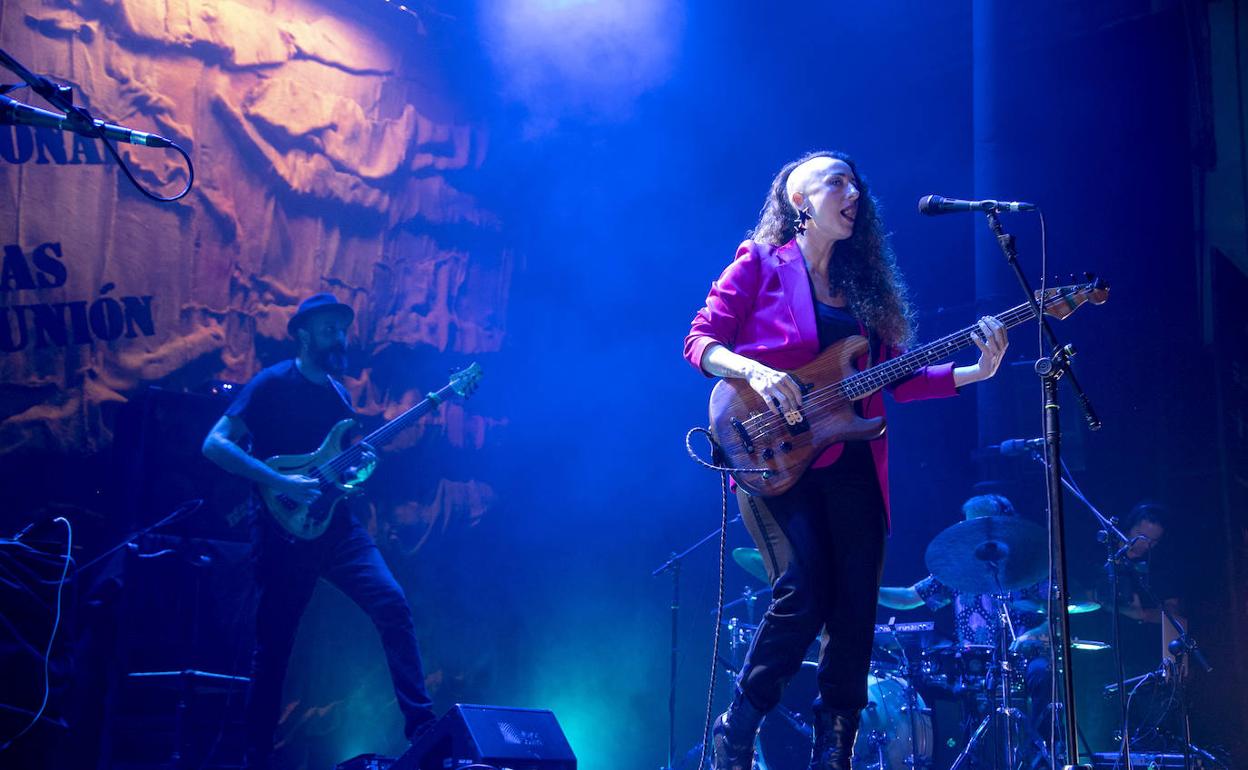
(494, 736)
(367, 762)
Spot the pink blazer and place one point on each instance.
(761, 307)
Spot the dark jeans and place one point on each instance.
(286, 573)
(823, 545)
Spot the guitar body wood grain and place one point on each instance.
(753, 436)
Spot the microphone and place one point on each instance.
(1016, 446)
(13, 112)
(932, 205)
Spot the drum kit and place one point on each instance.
(913, 665)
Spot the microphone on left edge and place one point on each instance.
(13, 112)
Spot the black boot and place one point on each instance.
(835, 731)
(732, 737)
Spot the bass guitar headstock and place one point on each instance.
(465, 381)
(1061, 301)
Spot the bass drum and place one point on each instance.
(886, 737)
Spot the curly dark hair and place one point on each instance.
(863, 267)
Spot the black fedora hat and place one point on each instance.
(317, 303)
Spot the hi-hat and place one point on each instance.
(988, 555)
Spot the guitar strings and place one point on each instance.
(835, 394)
(863, 383)
(465, 378)
(344, 459)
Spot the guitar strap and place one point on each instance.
(342, 393)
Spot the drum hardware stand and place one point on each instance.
(672, 565)
(1180, 647)
(1008, 714)
(911, 695)
(1050, 369)
(1003, 668)
(1184, 646)
(737, 632)
(878, 741)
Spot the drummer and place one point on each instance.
(978, 619)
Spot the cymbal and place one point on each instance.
(991, 554)
(1073, 608)
(1089, 645)
(750, 560)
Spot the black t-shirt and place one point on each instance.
(833, 324)
(286, 413)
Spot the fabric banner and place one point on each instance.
(329, 156)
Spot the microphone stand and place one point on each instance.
(183, 510)
(1183, 645)
(1113, 561)
(59, 96)
(82, 122)
(1113, 538)
(1050, 369)
(672, 565)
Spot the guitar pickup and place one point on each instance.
(796, 422)
(794, 419)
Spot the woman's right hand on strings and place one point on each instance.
(778, 389)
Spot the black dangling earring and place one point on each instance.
(803, 216)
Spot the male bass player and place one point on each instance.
(289, 408)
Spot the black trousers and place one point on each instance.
(286, 573)
(823, 545)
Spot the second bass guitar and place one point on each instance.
(336, 468)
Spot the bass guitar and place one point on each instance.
(752, 436)
(340, 472)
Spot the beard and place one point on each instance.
(332, 359)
